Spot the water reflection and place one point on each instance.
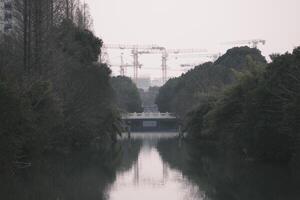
(150, 177)
(151, 166)
(223, 177)
(167, 168)
(81, 176)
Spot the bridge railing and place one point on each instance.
(148, 115)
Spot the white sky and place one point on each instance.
(196, 24)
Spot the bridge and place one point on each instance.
(144, 122)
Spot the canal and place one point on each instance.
(151, 166)
(164, 167)
(150, 176)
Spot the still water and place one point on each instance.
(162, 168)
(150, 177)
(150, 166)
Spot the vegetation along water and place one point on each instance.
(63, 135)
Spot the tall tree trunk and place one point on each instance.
(67, 9)
(37, 34)
(72, 7)
(51, 12)
(84, 16)
(29, 34)
(25, 34)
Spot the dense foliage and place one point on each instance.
(258, 117)
(241, 103)
(166, 94)
(127, 94)
(181, 95)
(54, 96)
(222, 177)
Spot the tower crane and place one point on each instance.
(123, 66)
(165, 54)
(131, 46)
(189, 65)
(252, 43)
(212, 56)
(134, 50)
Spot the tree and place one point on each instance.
(126, 94)
(182, 95)
(258, 116)
(54, 95)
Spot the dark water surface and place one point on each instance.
(150, 166)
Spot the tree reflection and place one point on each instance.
(83, 175)
(224, 177)
(130, 151)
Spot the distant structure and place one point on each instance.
(151, 121)
(165, 53)
(148, 99)
(143, 83)
(104, 58)
(6, 16)
(156, 82)
(137, 50)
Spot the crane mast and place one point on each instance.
(134, 51)
(165, 54)
(137, 50)
(123, 66)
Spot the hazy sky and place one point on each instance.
(197, 23)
